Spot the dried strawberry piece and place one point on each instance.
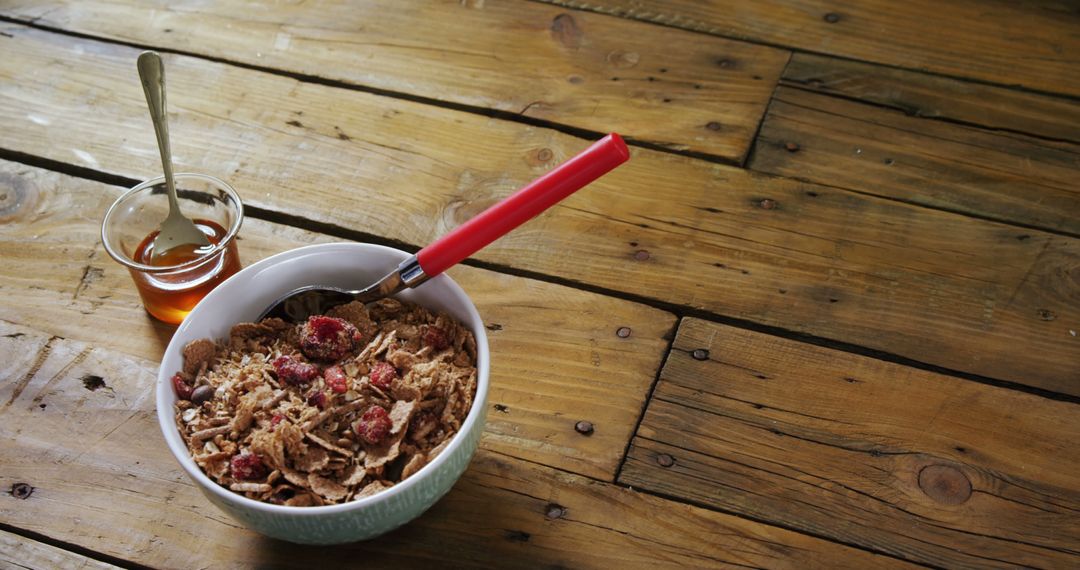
(274, 421)
(374, 425)
(382, 375)
(317, 399)
(328, 338)
(435, 337)
(336, 379)
(247, 466)
(183, 389)
(291, 370)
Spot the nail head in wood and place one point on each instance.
(555, 511)
(584, 428)
(623, 332)
(665, 460)
(792, 146)
(700, 354)
(21, 491)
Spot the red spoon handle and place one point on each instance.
(523, 205)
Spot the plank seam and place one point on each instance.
(71, 547)
(917, 113)
(671, 335)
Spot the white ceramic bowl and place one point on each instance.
(242, 298)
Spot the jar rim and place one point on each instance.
(234, 228)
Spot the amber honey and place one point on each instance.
(170, 294)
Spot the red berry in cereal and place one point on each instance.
(374, 425)
(317, 399)
(382, 375)
(183, 389)
(274, 421)
(327, 338)
(336, 379)
(246, 466)
(435, 337)
(292, 370)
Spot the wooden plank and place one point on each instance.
(21, 552)
(134, 504)
(931, 96)
(665, 86)
(999, 175)
(556, 356)
(931, 468)
(940, 288)
(1030, 44)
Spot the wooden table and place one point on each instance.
(826, 316)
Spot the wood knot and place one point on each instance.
(832, 17)
(623, 59)
(565, 31)
(539, 157)
(945, 484)
(713, 126)
(93, 382)
(17, 195)
(791, 146)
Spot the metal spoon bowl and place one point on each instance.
(176, 230)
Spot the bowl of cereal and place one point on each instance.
(335, 429)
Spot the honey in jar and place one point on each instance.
(188, 272)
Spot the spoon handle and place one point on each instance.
(523, 205)
(152, 76)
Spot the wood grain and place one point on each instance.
(556, 356)
(999, 175)
(21, 552)
(931, 468)
(940, 288)
(1030, 44)
(931, 96)
(665, 86)
(504, 512)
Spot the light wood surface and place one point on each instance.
(997, 175)
(558, 359)
(499, 515)
(934, 469)
(934, 287)
(1026, 44)
(681, 91)
(17, 552)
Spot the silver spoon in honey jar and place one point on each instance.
(176, 230)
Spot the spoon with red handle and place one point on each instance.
(468, 238)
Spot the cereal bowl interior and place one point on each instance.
(241, 299)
